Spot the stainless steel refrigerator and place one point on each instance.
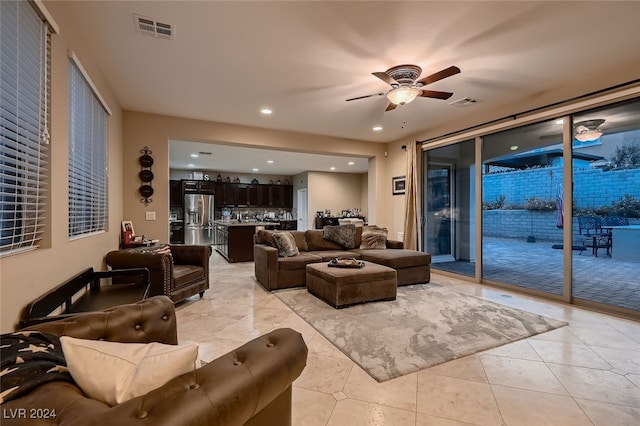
(198, 219)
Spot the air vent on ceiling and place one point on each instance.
(153, 28)
(464, 102)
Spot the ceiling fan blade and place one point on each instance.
(367, 96)
(385, 77)
(391, 107)
(435, 94)
(447, 72)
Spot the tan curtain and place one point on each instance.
(412, 208)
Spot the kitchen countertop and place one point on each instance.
(247, 223)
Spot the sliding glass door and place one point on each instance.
(606, 206)
(587, 253)
(449, 207)
(522, 240)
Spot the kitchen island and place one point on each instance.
(234, 239)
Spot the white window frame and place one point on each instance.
(88, 154)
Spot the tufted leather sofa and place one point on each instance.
(182, 274)
(248, 386)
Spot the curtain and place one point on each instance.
(412, 209)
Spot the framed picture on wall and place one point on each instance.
(398, 185)
(127, 226)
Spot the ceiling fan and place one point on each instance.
(588, 130)
(405, 86)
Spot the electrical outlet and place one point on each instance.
(150, 215)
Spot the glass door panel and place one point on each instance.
(449, 207)
(606, 206)
(522, 233)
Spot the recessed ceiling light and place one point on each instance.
(270, 161)
(266, 111)
(332, 168)
(377, 128)
(194, 155)
(514, 147)
(561, 121)
(255, 169)
(351, 163)
(190, 165)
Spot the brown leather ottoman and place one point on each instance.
(341, 287)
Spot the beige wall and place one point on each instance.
(25, 276)
(154, 131)
(333, 191)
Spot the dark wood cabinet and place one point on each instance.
(277, 196)
(253, 195)
(175, 193)
(235, 243)
(198, 186)
(176, 233)
(247, 195)
(288, 225)
(321, 222)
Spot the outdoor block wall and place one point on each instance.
(592, 187)
(521, 224)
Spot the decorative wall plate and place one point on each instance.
(146, 175)
(146, 191)
(146, 160)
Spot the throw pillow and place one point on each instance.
(265, 237)
(286, 244)
(114, 372)
(345, 235)
(373, 237)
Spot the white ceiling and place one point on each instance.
(303, 59)
(229, 158)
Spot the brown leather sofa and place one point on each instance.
(275, 272)
(250, 385)
(181, 274)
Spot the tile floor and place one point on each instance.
(587, 373)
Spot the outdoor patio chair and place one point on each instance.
(595, 238)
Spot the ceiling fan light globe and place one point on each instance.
(588, 135)
(403, 95)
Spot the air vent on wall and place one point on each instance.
(153, 28)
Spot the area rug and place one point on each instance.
(426, 325)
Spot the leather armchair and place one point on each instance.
(181, 274)
(250, 385)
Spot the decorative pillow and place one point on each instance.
(265, 237)
(29, 359)
(114, 372)
(345, 235)
(373, 237)
(286, 244)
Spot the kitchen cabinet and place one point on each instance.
(235, 242)
(226, 195)
(247, 195)
(176, 233)
(278, 196)
(175, 193)
(288, 225)
(198, 186)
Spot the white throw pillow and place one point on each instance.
(114, 372)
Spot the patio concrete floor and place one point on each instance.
(537, 266)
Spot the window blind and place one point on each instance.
(88, 207)
(24, 134)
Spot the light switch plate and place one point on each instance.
(150, 215)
